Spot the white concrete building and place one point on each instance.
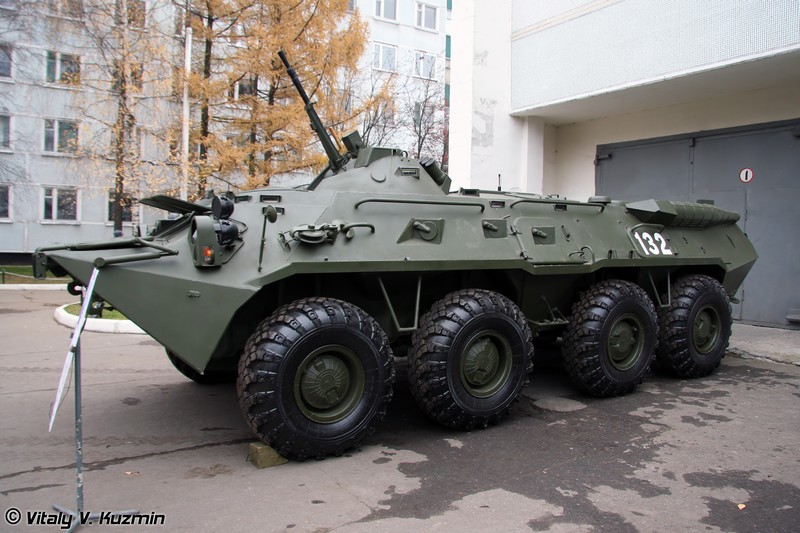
(538, 85)
(57, 102)
(407, 45)
(672, 99)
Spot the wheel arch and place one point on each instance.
(364, 290)
(539, 297)
(656, 280)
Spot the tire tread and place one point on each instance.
(264, 353)
(674, 356)
(428, 372)
(581, 348)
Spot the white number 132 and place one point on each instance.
(652, 244)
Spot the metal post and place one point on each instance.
(78, 430)
(77, 517)
(187, 68)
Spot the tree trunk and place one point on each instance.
(205, 109)
(122, 136)
(253, 135)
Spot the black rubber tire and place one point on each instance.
(278, 358)
(697, 301)
(443, 343)
(208, 378)
(609, 310)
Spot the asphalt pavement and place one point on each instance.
(721, 453)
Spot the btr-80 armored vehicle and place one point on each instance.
(306, 296)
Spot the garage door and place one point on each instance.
(754, 171)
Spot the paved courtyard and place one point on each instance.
(715, 454)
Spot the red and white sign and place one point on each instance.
(746, 175)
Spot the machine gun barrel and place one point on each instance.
(335, 158)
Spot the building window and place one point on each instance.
(386, 114)
(242, 88)
(424, 65)
(136, 13)
(127, 206)
(180, 21)
(426, 16)
(177, 81)
(5, 131)
(60, 204)
(385, 57)
(348, 102)
(132, 142)
(135, 79)
(386, 9)
(60, 136)
(5, 201)
(66, 8)
(63, 68)
(5, 60)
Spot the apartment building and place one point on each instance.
(58, 107)
(408, 48)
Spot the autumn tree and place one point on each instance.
(212, 23)
(410, 111)
(378, 123)
(426, 121)
(251, 122)
(13, 28)
(358, 98)
(126, 47)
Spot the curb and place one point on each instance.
(744, 354)
(33, 287)
(98, 325)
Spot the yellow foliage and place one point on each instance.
(256, 125)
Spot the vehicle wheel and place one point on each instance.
(210, 377)
(610, 341)
(315, 378)
(695, 328)
(470, 358)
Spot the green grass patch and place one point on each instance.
(24, 274)
(75, 309)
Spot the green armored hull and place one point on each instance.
(307, 297)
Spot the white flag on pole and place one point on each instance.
(76, 335)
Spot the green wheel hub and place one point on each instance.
(706, 329)
(485, 364)
(625, 341)
(329, 383)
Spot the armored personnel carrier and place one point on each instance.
(306, 297)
